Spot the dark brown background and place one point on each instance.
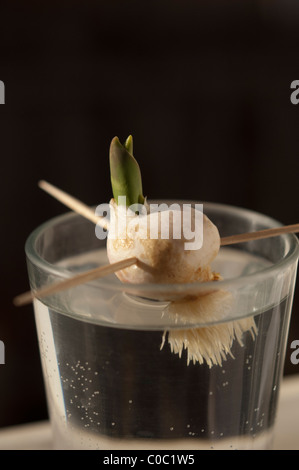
(203, 86)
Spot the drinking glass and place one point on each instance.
(110, 381)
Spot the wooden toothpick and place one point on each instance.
(73, 203)
(102, 271)
(87, 212)
(28, 297)
(267, 233)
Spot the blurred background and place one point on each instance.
(203, 86)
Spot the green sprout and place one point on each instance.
(125, 172)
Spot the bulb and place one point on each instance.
(162, 260)
(166, 260)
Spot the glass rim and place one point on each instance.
(291, 243)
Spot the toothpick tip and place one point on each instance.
(23, 299)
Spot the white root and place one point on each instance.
(210, 344)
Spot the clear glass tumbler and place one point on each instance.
(115, 371)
